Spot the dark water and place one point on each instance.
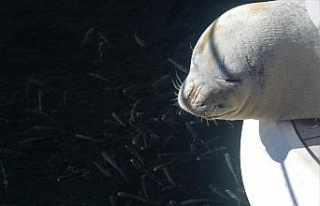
(87, 109)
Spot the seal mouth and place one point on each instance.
(219, 111)
(214, 117)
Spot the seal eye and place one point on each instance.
(219, 106)
(233, 80)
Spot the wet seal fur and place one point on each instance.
(257, 61)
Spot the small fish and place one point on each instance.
(179, 187)
(86, 37)
(174, 154)
(98, 76)
(113, 163)
(197, 201)
(134, 153)
(169, 120)
(100, 51)
(216, 191)
(135, 197)
(161, 82)
(103, 170)
(154, 119)
(117, 118)
(138, 40)
(40, 113)
(133, 111)
(214, 151)
(103, 38)
(212, 140)
(145, 142)
(80, 136)
(144, 171)
(5, 180)
(137, 165)
(65, 177)
(35, 82)
(161, 166)
(144, 186)
(112, 200)
(232, 195)
(229, 163)
(33, 140)
(40, 99)
(65, 97)
(168, 176)
(195, 135)
(235, 197)
(172, 203)
(178, 66)
(190, 129)
(136, 138)
(6, 151)
(44, 128)
(138, 89)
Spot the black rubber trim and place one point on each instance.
(305, 145)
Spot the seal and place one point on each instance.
(256, 61)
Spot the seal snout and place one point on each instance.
(197, 100)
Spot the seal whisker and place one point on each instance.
(191, 47)
(180, 111)
(215, 122)
(176, 85)
(179, 79)
(215, 110)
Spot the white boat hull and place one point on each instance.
(277, 168)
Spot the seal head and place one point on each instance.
(256, 61)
